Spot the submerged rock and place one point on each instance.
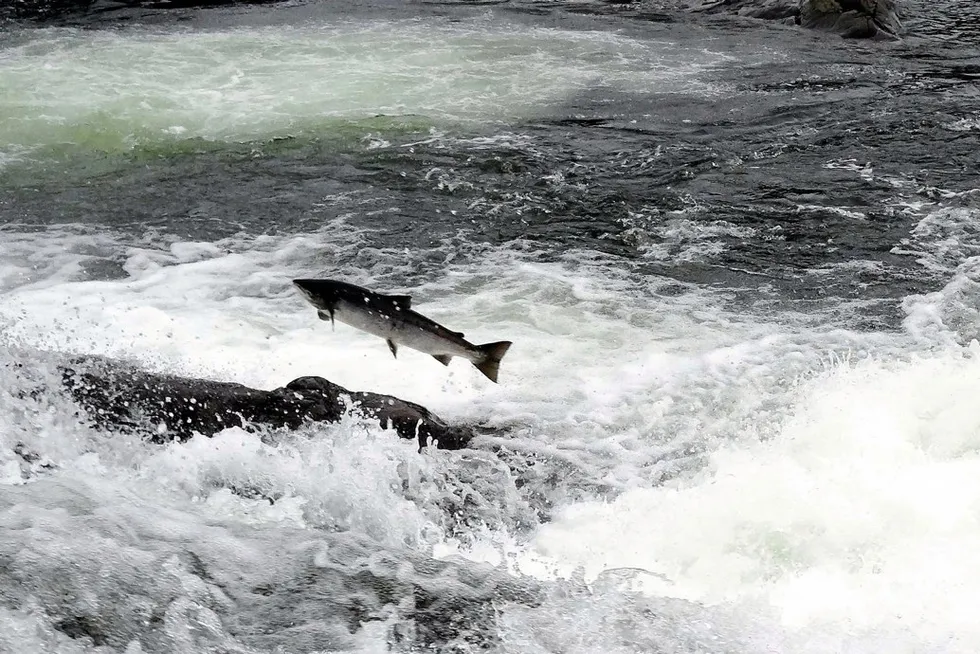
(169, 407)
(765, 9)
(105, 569)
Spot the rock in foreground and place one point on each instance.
(168, 407)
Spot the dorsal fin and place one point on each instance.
(400, 301)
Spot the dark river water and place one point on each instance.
(738, 261)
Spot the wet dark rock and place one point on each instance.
(40, 9)
(874, 19)
(82, 627)
(117, 395)
(45, 10)
(765, 9)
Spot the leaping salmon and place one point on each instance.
(391, 317)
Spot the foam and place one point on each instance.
(675, 238)
(790, 485)
(964, 125)
(65, 87)
(943, 239)
(947, 243)
(27, 259)
(859, 513)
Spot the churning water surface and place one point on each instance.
(739, 264)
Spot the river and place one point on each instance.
(739, 262)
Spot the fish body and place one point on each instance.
(392, 318)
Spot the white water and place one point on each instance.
(111, 92)
(764, 484)
(822, 479)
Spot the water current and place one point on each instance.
(739, 262)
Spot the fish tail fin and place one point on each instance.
(492, 354)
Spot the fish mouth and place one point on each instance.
(308, 293)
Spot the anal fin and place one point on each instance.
(444, 359)
(393, 347)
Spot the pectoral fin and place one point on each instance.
(444, 359)
(327, 315)
(393, 347)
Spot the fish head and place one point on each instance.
(324, 294)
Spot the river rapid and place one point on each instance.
(739, 262)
